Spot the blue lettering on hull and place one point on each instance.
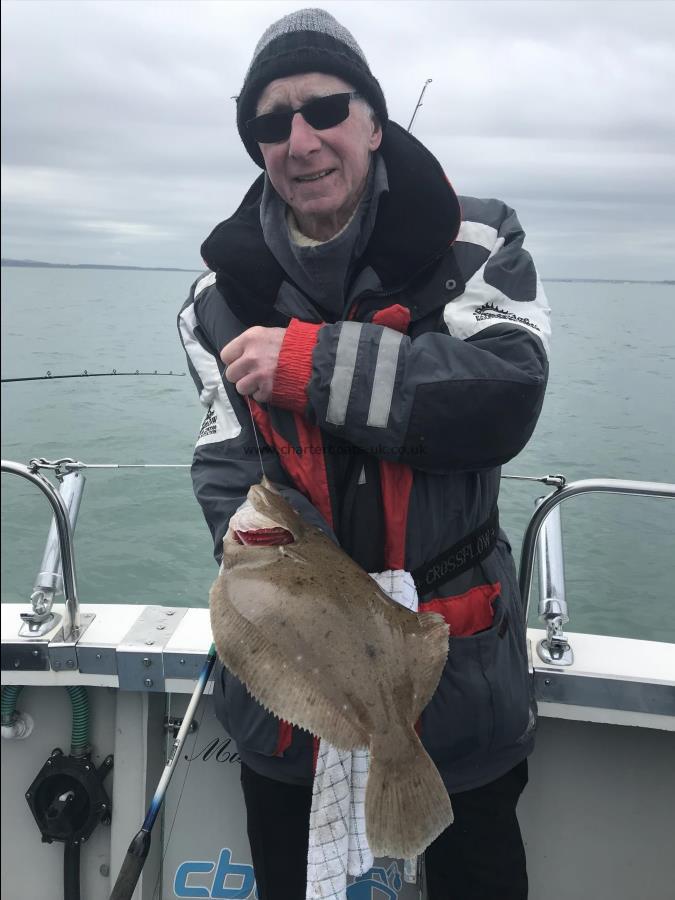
(232, 881)
(236, 881)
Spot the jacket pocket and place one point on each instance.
(247, 722)
(505, 668)
(482, 701)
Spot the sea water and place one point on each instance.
(141, 538)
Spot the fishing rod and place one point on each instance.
(86, 374)
(140, 845)
(419, 102)
(67, 464)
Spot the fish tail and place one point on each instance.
(407, 804)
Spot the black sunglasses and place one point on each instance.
(324, 112)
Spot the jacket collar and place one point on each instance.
(416, 222)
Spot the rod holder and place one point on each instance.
(49, 581)
(554, 648)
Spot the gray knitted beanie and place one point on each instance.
(309, 40)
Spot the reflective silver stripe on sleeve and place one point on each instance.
(343, 373)
(384, 378)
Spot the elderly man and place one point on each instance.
(385, 344)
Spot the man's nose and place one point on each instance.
(303, 138)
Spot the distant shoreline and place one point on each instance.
(35, 264)
(608, 281)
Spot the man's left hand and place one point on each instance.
(251, 361)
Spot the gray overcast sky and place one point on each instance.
(119, 144)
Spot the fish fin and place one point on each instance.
(429, 648)
(407, 804)
(276, 683)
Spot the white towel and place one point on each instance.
(337, 828)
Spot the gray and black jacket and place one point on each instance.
(388, 427)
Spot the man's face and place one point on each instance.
(341, 155)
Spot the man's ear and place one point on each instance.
(376, 137)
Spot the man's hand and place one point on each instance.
(251, 360)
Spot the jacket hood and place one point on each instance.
(416, 222)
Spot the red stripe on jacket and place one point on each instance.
(284, 737)
(466, 613)
(396, 483)
(307, 470)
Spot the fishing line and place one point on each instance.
(86, 374)
(255, 434)
(255, 430)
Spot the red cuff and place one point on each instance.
(294, 368)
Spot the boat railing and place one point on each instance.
(544, 534)
(57, 569)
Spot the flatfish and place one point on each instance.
(320, 645)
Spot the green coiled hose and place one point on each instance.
(9, 696)
(79, 741)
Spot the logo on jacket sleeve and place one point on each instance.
(209, 425)
(220, 422)
(490, 311)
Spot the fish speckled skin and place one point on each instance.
(319, 644)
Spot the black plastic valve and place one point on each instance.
(67, 797)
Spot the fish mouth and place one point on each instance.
(264, 537)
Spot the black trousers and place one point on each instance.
(479, 857)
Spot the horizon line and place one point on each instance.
(35, 263)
